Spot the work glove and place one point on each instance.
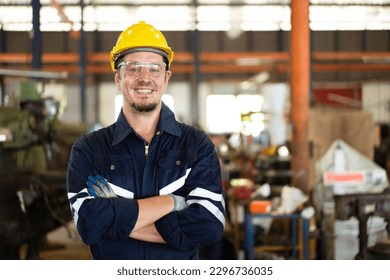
(180, 202)
(98, 186)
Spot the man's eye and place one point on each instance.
(154, 69)
(133, 69)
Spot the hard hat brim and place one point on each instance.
(140, 49)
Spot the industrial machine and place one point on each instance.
(362, 206)
(351, 185)
(33, 199)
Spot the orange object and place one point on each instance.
(260, 206)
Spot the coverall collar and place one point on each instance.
(167, 123)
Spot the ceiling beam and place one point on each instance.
(228, 62)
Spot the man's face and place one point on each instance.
(142, 79)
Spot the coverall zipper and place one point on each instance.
(146, 150)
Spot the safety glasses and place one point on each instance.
(134, 68)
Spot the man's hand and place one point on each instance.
(97, 186)
(180, 202)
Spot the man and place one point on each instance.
(147, 186)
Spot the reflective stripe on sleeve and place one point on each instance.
(175, 185)
(210, 207)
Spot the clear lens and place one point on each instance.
(136, 68)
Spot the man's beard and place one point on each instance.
(143, 108)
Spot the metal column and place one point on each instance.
(196, 76)
(195, 79)
(83, 66)
(36, 36)
(300, 87)
(2, 49)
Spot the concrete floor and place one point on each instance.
(63, 244)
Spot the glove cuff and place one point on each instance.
(174, 201)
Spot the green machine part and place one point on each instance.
(29, 90)
(17, 121)
(25, 155)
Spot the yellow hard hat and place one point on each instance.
(140, 37)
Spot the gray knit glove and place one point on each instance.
(180, 202)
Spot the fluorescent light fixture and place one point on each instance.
(213, 26)
(349, 18)
(213, 14)
(214, 2)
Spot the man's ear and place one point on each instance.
(168, 75)
(117, 80)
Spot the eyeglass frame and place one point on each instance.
(144, 65)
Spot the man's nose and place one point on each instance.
(144, 73)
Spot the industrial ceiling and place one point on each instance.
(233, 16)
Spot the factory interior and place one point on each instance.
(294, 94)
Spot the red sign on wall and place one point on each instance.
(340, 97)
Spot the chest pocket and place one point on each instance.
(172, 167)
(118, 170)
